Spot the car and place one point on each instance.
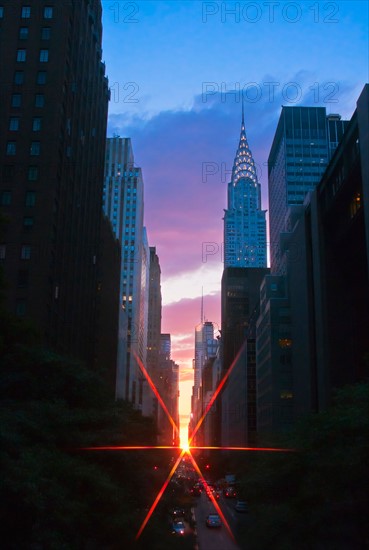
(230, 492)
(196, 491)
(178, 528)
(178, 513)
(213, 520)
(241, 506)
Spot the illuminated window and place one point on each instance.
(286, 394)
(355, 204)
(285, 343)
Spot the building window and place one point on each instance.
(21, 56)
(25, 252)
(45, 33)
(14, 124)
(48, 12)
(19, 77)
(8, 172)
(23, 33)
(23, 278)
(33, 173)
(39, 100)
(16, 100)
(30, 198)
(27, 222)
(285, 343)
(11, 148)
(5, 198)
(26, 12)
(35, 149)
(44, 56)
(36, 124)
(286, 394)
(20, 308)
(2, 251)
(41, 77)
(1, 12)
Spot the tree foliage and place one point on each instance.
(316, 497)
(55, 494)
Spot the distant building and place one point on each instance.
(167, 384)
(205, 348)
(123, 204)
(273, 358)
(244, 220)
(240, 297)
(154, 329)
(53, 115)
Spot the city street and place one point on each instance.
(215, 538)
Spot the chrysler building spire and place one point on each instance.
(244, 220)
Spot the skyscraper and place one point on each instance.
(123, 204)
(304, 142)
(53, 114)
(244, 220)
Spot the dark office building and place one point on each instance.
(240, 298)
(318, 338)
(304, 141)
(153, 332)
(107, 304)
(240, 294)
(337, 221)
(53, 114)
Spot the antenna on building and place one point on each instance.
(243, 118)
(202, 305)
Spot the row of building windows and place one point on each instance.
(35, 149)
(22, 56)
(14, 124)
(16, 100)
(25, 249)
(26, 12)
(6, 198)
(41, 77)
(24, 33)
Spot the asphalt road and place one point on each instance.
(214, 538)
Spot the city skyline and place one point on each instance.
(154, 103)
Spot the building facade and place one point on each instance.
(304, 141)
(124, 206)
(53, 114)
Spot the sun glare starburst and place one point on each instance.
(185, 448)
